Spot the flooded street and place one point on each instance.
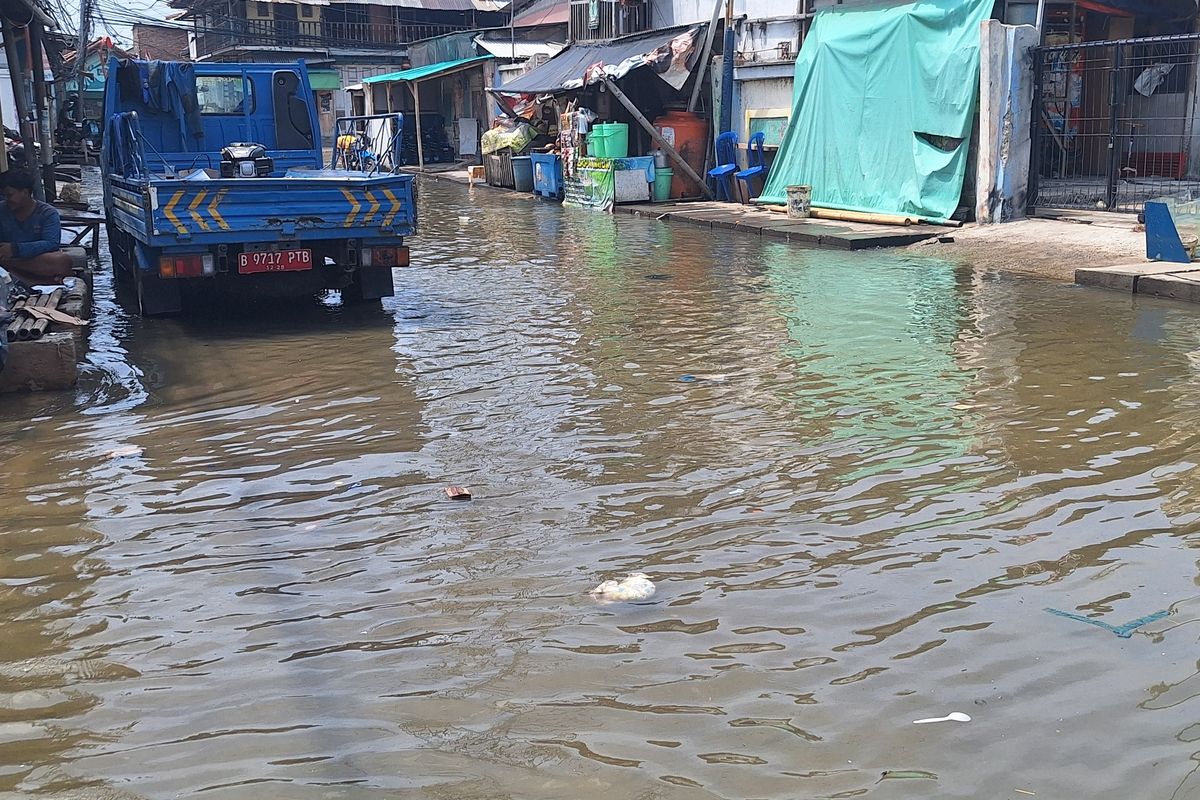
(228, 568)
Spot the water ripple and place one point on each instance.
(227, 565)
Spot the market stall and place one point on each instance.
(606, 141)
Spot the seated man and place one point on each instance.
(30, 233)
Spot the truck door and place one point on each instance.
(293, 113)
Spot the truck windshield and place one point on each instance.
(224, 94)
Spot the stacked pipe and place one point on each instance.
(25, 328)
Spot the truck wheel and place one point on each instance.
(121, 256)
(352, 295)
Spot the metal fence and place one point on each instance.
(217, 33)
(601, 20)
(1114, 123)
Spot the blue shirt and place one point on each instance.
(40, 233)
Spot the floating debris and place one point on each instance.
(458, 493)
(1124, 631)
(637, 586)
(903, 774)
(953, 716)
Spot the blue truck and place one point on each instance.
(214, 177)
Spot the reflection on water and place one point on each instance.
(226, 564)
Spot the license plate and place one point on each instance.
(274, 261)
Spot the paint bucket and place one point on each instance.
(799, 201)
(662, 184)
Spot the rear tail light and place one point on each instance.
(384, 257)
(188, 266)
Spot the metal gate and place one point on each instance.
(1114, 123)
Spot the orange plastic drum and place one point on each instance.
(687, 133)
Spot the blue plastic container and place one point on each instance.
(547, 175)
(522, 174)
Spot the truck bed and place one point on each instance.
(304, 204)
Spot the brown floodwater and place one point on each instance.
(228, 568)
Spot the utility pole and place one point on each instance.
(41, 107)
(81, 59)
(28, 130)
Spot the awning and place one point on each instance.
(324, 80)
(427, 71)
(504, 48)
(670, 53)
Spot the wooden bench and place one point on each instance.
(84, 230)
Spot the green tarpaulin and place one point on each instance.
(882, 109)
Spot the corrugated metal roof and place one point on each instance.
(569, 69)
(501, 48)
(427, 71)
(546, 12)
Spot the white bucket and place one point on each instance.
(799, 201)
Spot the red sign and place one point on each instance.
(274, 261)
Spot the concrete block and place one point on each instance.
(1176, 286)
(46, 364)
(1125, 277)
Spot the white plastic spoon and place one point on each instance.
(953, 716)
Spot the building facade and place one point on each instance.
(343, 43)
(160, 42)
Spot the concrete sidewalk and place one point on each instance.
(1156, 279)
(1051, 245)
(1092, 248)
(755, 220)
(763, 222)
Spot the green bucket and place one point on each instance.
(662, 184)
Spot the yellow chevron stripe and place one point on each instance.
(354, 207)
(216, 215)
(195, 215)
(169, 212)
(395, 209)
(374, 206)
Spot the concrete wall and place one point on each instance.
(762, 92)
(761, 40)
(1005, 105)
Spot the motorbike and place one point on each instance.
(15, 147)
(355, 153)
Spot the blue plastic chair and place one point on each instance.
(726, 164)
(754, 156)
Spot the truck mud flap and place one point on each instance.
(375, 282)
(155, 295)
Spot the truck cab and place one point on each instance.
(214, 176)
